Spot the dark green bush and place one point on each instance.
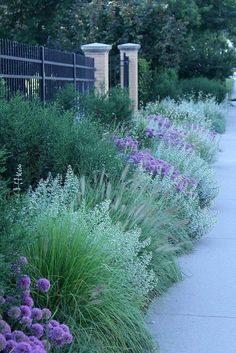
(205, 86)
(112, 108)
(166, 84)
(46, 139)
(66, 97)
(144, 81)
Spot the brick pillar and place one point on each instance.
(100, 53)
(131, 50)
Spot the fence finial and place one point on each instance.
(100, 53)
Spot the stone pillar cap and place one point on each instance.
(96, 47)
(129, 46)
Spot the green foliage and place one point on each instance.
(112, 108)
(47, 139)
(202, 85)
(165, 84)
(189, 35)
(12, 236)
(66, 97)
(144, 80)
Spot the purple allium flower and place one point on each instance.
(43, 285)
(57, 334)
(25, 310)
(34, 341)
(28, 301)
(54, 323)
(46, 314)
(10, 345)
(149, 132)
(37, 330)
(24, 282)
(19, 336)
(36, 314)
(65, 328)
(23, 260)
(38, 350)
(26, 293)
(23, 347)
(14, 312)
(2, 342)
(68, 338)
(4, 327)
(126, 142)
(26, 321)
(8, 336)
(2, 300)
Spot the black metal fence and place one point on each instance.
(37, 71)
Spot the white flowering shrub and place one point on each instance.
(193, 166)
(183, 112)
(125, 248)
(205, 112)
(54, 194)
(205, 143)
(195, 220)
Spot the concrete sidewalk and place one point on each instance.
(198, 315)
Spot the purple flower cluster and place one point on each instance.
(36, 332)
(159, 167)
(161, 129)
(152, 164)
(161, 122)
(127, 142)
(174, 137)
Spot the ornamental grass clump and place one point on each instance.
(25, 328)
(100, 283)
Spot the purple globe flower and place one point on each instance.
(65, 328)
(34, 341)
(36, 314)
(19, 336)
(23, 260)
(57, 333)
(26, 321)
(25, 293)
(4, 327)
(23, 347)
(68, 338)
(10, 345)
(14, 312)
(43, 285)
(8, 336)
(46, 314)
(25, 310)
(38, 350)
(37, 330)
(2, 342)
(24, 282)
(28, 301)
(54, 323)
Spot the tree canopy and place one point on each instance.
(194, 36)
